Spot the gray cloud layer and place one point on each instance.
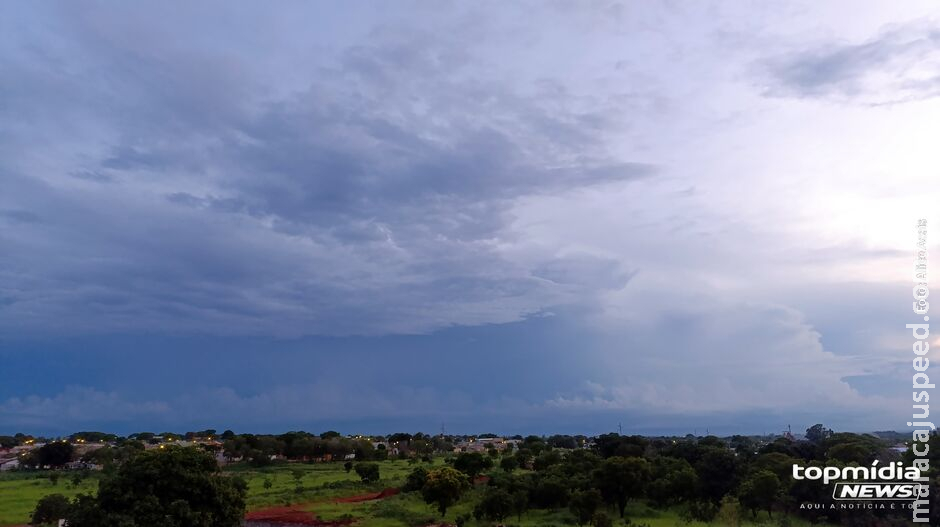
(187, 189)
(900, 64)
(606, 175)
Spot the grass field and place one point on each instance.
(19, 492)
(320, 485)
(320, 481)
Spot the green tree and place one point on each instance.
(550, 492)
(496, 505)
(760, 491)
(547, 459)
(621, 479)
(520, 502)
(55, 454)
(861, 452)
(583, 504)
(729, 513)
(444, 487)
(50, 509)
(508, 463)
(601, 519)
(178, 487)
(472, 463)
(416, 480)
(368, 472)
(675, 481)
(817, 433)
(717, 473)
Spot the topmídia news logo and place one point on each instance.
(893, 481)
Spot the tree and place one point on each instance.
(54, 478)
(744, 446)
(817, 433)
(615, 445)
(368, 472)
(760, 491)
(50, 509)
(701, 510)
(621, 479)
(508, 463)
(729, 513)
(347, 466)
(583, 504)
(550, 492)
(546, 459)
(496, 505)
(173, 487)
(813, 491)
(268, 484)
(472, 463)
(444, 487)
(416, 480)
(562, 441)
(520, 502)
(55, 454)
(861, 452)
(717, 473)
(675, 482)
(601, 519)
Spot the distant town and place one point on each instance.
(92, 450)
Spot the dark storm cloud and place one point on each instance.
(899, 64)
(369, 198)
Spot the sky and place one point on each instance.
(509, 217)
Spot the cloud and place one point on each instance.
(583, 209)
(738, 358)
(371, 198)
(900, 64)
(74, 406)
(276, 408)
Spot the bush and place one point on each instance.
(395, 510)
(50, 509)
(703, 511)
(368, 472)
(601, 519)
(415, 481)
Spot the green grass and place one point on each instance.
(20, 491)
(324, 482)
(320, 481)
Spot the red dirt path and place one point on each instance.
(292, 515)
(368, 497)
(296, 515)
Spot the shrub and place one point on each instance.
(368, 472)
(50, 509)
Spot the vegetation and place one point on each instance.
(654, 482)
(443, 487)
(173, 487)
